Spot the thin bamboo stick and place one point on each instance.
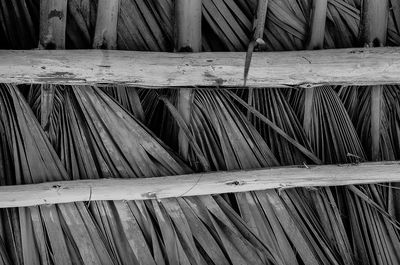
(187, 39)
(315, 42)
(53, 20)
(257, 39)
(188, 25)
(198, 184)
(105, 36)
(374, 20)
(317, 29)
(356, 66)
(46, 104)
(376, 113)
(184, 108)
(373, 33)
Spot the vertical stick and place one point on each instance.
(184, 108)
(316, 41)
(53, 21)
(46, 104)
(258, 27)
(53, 18)
(373, 34)
(317, 27)
(105, 36)
(376, 101)
(188, 25)
(308, 103)
(261, 16)
(187, 39)
(374, 22)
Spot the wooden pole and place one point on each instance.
(256, 41)
(188, 25)
(257, 38)
(317, 28)
(374, 21)
(198, 184)
(105, 36)
(373, 34)
(53, 20)
(187, 39)
(47, 94)
(376, 114)
(316, 41)
(355, 66)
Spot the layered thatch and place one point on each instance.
(73, 132)
(227, 25)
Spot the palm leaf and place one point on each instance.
(89, 116)
(34, 160)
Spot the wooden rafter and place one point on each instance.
(198, 184)
(355, 66)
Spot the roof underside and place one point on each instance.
(226, 25)
(57, 132)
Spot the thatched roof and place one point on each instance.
(226, 25)
(57, 132)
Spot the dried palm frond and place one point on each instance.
(326, 123)
(229, 141)
(59, 234)
(80, 23)
(332, 135)
(93, 132)
(19, 20)
(82, 132)
(357, 101)
(145, 25)
(273, 105)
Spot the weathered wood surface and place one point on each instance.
(187, 38)
(356, 66)
(198, 184)
(105, 36)
(187, 25)
(53, 22)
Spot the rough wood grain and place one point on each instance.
(374, 21)
(53, 21)
(188, 25)
(105, 36)
(198, 184)
(356, 66)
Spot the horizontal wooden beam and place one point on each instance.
(198, 184)
(356, 66)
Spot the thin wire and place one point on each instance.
(388, 186)
(194, 185)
